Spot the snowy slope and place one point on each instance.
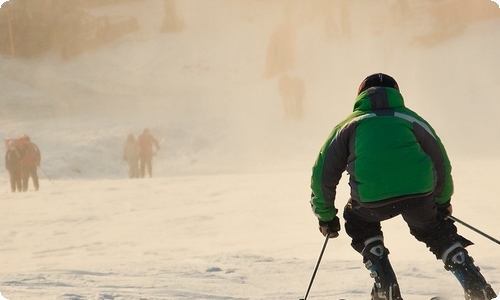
(226, 214)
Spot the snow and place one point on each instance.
(226, 214)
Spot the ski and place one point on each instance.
(433, 298)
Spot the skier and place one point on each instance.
(30, 162)
(292, 93)
(13, 158)
(131, 156)
(397, 165)
(146, 143)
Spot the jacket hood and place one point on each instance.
(378, 98)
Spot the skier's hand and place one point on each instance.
(445, 209)
(330, 228)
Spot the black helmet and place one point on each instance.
(378, 79)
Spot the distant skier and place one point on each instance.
(146, 143)
(397, 165)
(13, 158)
(292, 91)
(131, 156)
(30, 162)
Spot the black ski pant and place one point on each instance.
(133, 167)
(27, 172)
(146, 162)
(15, 180)
(420, 213)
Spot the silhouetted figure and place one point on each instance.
(172, 22)
(146, 143)
(131, 156)
(281, 49)
(345, 18)
(30, 162)
(292, 91)
(13, 158)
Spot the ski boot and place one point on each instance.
(375, 258)
(457, 260)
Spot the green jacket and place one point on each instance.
(389, 152)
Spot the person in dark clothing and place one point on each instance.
(146, 142)
(397, 165)
(30, 162)
(13, 158)
(131, 156)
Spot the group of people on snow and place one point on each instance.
(22, 159)
(138, 154)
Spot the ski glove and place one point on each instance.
(330, 228)
(445, 209)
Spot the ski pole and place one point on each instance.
(44, 173)
(317, 266)
(474, 229)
